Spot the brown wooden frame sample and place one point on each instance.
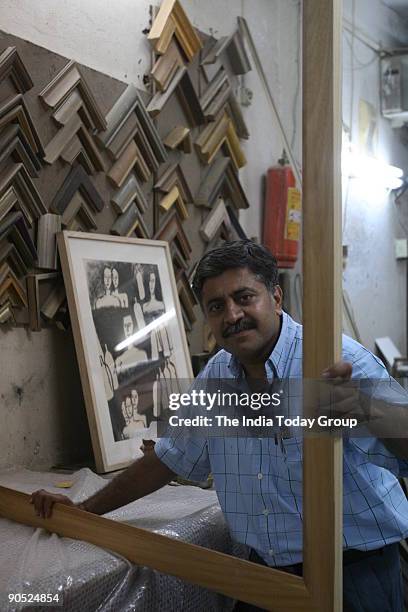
(130, 222)
(14, 145)
(221, 180)
(166, 66)
(172, 229)
(63, 84)
(11, 65)
(321, 588)
(216, 95)
(129, 192)
(179, 138)
(172, 20)
(29, 201)
(33, 295)
(217, 217)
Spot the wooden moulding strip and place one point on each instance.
(77, 210)
(176, 136)
(161, 98)
(14, 143)
(128, 193)
(33, 295)
(171, 19)
(233, 110)
(130, 158)
(16, 177)
(166, 66)
(61, 139)
(10, 255)
(172, 229)
(322, 303)
(234, 147)
(129, 223)
(54, 300)
(11, 65)
(215, 50)
(174, 175)
(15, 109)
(237, 54)
(217, 217)
(171, 198)
(67, 79)
(217, 571)
(77, 180)
(11, 287)
(189, 101)
(126, 104)
(212, 183)
(48, 227)
(212, 138)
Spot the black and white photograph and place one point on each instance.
(129, 337)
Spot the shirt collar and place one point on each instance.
(276, 362)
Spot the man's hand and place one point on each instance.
(44, 501)
(340, 370)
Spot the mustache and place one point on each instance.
(239, 326)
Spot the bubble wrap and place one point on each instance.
(90, 578)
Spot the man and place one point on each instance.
(259, 482)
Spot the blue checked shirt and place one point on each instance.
(259, 482)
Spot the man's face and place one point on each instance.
(242, 314)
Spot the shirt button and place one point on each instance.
(271, 552)
(266, 512)
(260, 476)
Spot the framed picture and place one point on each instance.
(129, 337)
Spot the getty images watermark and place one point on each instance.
(196, 404)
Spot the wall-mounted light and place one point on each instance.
(369, 169)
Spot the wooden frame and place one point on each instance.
(179, 138)
(77, 180)
(33, 281)
(130, 102)
(321, 588)
(214, 136)
(172, 20)
(129, 192)
(62, 142)
(29, 199)
(48, 226)
(130, 222)
(11, 65)
(172, 230)
(14, 228)
(166, 67)
(14, 145)
(11, 290)
(84, 258)
(174, 185)
(15, 110)
(187, 298)
(237, 54)
(130, 159)
(221, 180)
(214, 220)
(63, 84)
(215, 97)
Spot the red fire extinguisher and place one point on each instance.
(282, 214)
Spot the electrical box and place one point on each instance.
(394, 88)
(401, 248)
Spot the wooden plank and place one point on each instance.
(217, 571)
(322, 497)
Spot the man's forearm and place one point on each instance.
(144, 476)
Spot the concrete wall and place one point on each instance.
(41, 400)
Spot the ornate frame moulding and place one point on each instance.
(172, 229)
(172, 20)
(11, 65)
(63, 84)
(130, 102)
(179, 138)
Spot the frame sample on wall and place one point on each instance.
(129, 337)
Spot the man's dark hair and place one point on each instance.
(237, 254)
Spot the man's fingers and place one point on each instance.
(47, 506)
(44, 501)
(340, 369)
